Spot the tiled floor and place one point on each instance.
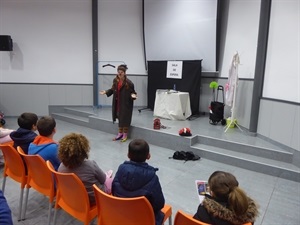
(279, 199)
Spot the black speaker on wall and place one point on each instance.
(6, 43)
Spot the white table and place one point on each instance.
(173, 105)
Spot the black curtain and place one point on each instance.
(190, 82)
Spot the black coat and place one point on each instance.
(125, 100)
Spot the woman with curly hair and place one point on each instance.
(74, 153)
(227, 204)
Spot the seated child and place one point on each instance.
(136, 178)
(43, 144)
(73, 153)
(25, 134)
(227, 204)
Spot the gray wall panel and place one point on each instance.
(264, 120)
(243, 102)
(39, 96)
(73, 95)
(87, 95)
(296, 130)
(279, 121)
(57, 94)
(18, 98)
(282, 123)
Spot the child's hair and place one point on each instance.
(46, 125)
(138, 150)
(73, 149)
(225, 188)
(27, 120)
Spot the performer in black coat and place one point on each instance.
(122, 104)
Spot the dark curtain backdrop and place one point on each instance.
(190, 82)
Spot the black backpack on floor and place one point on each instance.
(186, 156)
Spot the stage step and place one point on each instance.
(72, 118)
(275, 154)
(249, 161)
(272, 161)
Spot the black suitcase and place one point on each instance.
(216, 113)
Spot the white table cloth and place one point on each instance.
(173, 105)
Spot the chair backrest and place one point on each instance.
(14, 166)
(71, 194)
(126, 211)
(183, 218)
(39, 176)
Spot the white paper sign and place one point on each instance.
(174, 69)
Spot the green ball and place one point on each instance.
(213, 85)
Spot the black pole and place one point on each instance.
(144, 44)
(261, 54)
(95, 50)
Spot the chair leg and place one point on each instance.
(3, 184)
(20, 203)
(170, 220)
(25, 204)
(55, 214)
(49, 212)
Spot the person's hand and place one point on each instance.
(133, 96)
(102, 92)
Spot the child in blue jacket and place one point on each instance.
(136, 178)
(43, 144)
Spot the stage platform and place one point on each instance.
(234, 147)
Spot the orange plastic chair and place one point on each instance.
(72, 196)
(126, 211)
(40, 178)
(182, 218)
(8, 143)
(15, 169)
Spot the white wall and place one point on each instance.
(241, 36)
(121, 35)
(181, 30)
(282, 74)
(52, 41)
